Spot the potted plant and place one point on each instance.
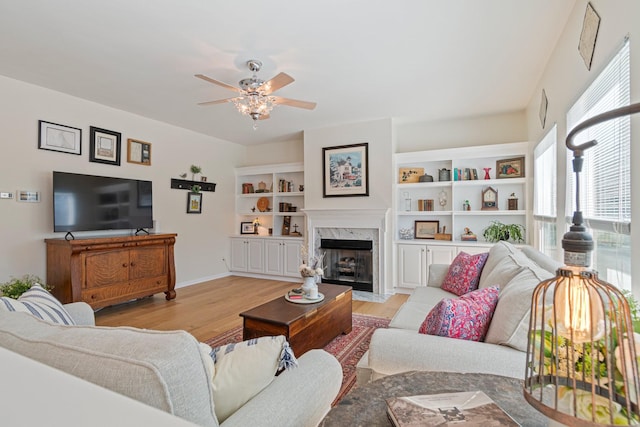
(17, 286)
(195, 170)
(497, 231)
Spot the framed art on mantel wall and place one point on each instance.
(345, 171)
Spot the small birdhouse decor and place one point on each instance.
(489, 199)
(512, 202)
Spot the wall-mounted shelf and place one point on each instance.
(185, 184)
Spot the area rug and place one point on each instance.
(348, 349)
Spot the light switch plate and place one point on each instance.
(6, 195)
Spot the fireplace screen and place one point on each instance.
(348, 262)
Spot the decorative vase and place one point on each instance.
(310, 287)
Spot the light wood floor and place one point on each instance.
(210, 308)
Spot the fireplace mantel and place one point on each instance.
(348, 218)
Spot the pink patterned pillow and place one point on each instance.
(466, 318)
(464, 273)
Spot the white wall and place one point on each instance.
(275, 153)
(566, 77)
(202, 239)
(461, 132)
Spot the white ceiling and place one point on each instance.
(358, 59)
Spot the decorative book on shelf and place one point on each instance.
(469, 408)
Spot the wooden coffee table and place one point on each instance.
(306, 326)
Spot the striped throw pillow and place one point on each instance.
(39, 303)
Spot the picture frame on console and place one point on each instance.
(104, 146)
(194, 203)
(56, 137)
(426, 229)
(345, 170)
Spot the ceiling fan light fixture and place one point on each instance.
(254, 104)
(254, 95)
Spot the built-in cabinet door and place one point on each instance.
(239, 255)
(291, 258)
(440, 255)
(412, 266)
(255, 256)
(273, 251)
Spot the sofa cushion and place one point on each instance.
(38, 302)
(412, 312)
(464, 273)
(510, 322)
(165, 370)
(466, 318)
(244, 369)
(505, 261)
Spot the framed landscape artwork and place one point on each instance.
(426, 229)
(345, 170)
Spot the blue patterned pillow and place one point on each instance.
(39, 303)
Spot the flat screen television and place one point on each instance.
(90, 203)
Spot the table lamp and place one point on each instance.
(582, 367)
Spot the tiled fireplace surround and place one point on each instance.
(353, 224)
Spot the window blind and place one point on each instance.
(605, 180)
(545, 177)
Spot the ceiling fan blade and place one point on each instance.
(216, 82)
(295, 103)
(279, 81)
(218, 101)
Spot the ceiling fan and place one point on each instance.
(254, 97)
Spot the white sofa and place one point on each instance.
(401, 348)
(167, 370)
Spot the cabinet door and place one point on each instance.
(239, 255)
(440, 254)
(147, 262)
(106, 268)
(412, 266)
(255, 256)
(291, 258)
(273, 254)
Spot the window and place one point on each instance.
(605, 181)
(544, 194)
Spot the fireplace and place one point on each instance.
(348, 262)
(354, 224)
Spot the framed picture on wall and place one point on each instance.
(345, 171)
(138, 152)
(194, 203)
(55, 137)
(104, 146)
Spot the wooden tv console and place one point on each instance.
(107, 270)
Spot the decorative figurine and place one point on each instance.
(466, 206)
(468, 236)
(512, 202)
